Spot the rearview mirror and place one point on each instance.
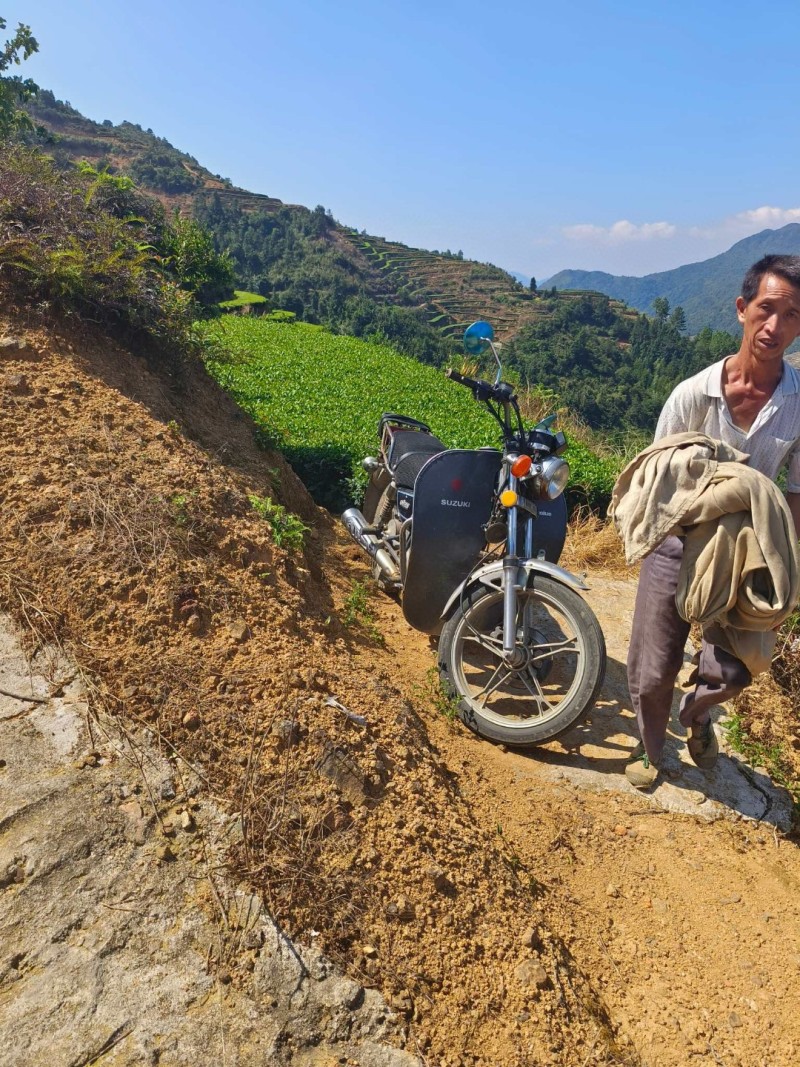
(478, 337)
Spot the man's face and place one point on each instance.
(771, 321)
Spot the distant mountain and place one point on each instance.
(706, 291)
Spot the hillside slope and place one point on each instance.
(304, 260)
(513, 908)
(705, 290)
(129, 538)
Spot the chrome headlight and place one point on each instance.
(553, 478)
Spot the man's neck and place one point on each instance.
(747, 386)
(760, 375)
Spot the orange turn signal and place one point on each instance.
(508, 498)
(521, 466)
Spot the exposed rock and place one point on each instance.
(238, 630)
(532, 973)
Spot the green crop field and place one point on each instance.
(318, 398)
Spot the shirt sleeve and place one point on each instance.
(674, 416)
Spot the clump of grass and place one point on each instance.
(288, 531)
(771, 754)
(786, 664)
(356, 611)
(763, 726)
(436, 692)
(593, 544)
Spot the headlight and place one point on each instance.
(554, 477)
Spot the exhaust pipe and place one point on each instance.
(363, 534)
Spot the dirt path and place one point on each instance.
(682, 904)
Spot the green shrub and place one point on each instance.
(288, 531)
(84, 242)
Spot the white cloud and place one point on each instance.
(631, 249)
(733, 227)
(764, 217)
(744, 223)
(620, 232)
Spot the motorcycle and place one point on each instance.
(469, 540)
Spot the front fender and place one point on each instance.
(491, 574)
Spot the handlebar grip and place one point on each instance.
(462, 379)
(484, 391)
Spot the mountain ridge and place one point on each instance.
(705, 290)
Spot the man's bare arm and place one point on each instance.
(793, 500)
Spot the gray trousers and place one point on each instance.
(655, 656)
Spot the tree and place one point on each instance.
(661, 307)
(678, 318)
(13, 89)
(533, 285)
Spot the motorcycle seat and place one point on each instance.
(409, 452)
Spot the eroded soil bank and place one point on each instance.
(508, 908)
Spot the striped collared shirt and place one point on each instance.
(771, 442)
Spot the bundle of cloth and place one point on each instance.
(740, 572)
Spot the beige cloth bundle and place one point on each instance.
(740, 573)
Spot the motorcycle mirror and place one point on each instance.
(478, 337)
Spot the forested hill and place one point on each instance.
(612, 366)
(303, 260)
(704, 290)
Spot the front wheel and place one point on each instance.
(564, 666)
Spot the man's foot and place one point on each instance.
(703, 746)
(640, 770)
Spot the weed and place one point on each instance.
(288, 531)
(770, 756)
(356, 611)
(441, 699)
(355, 604)
(179, 504)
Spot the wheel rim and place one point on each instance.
(555, 667)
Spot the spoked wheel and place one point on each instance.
(565, 659)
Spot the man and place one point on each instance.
(750, 400)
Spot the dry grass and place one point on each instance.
(593, 544)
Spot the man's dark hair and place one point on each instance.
(786, 267)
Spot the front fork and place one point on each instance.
(514, 653)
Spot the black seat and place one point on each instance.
(410, 451)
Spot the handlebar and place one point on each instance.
(483, 390)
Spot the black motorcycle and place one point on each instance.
(469, 539)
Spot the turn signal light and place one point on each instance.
(521, 466)
(508, 498)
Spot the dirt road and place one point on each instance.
(682, 904)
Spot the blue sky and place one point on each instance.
(606, 135)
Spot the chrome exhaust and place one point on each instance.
(364, 535)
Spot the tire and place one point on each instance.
(380, 501)
(552, 692)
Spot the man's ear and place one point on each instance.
(740, 306)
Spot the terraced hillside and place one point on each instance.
(327, 274)
(455, 291)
